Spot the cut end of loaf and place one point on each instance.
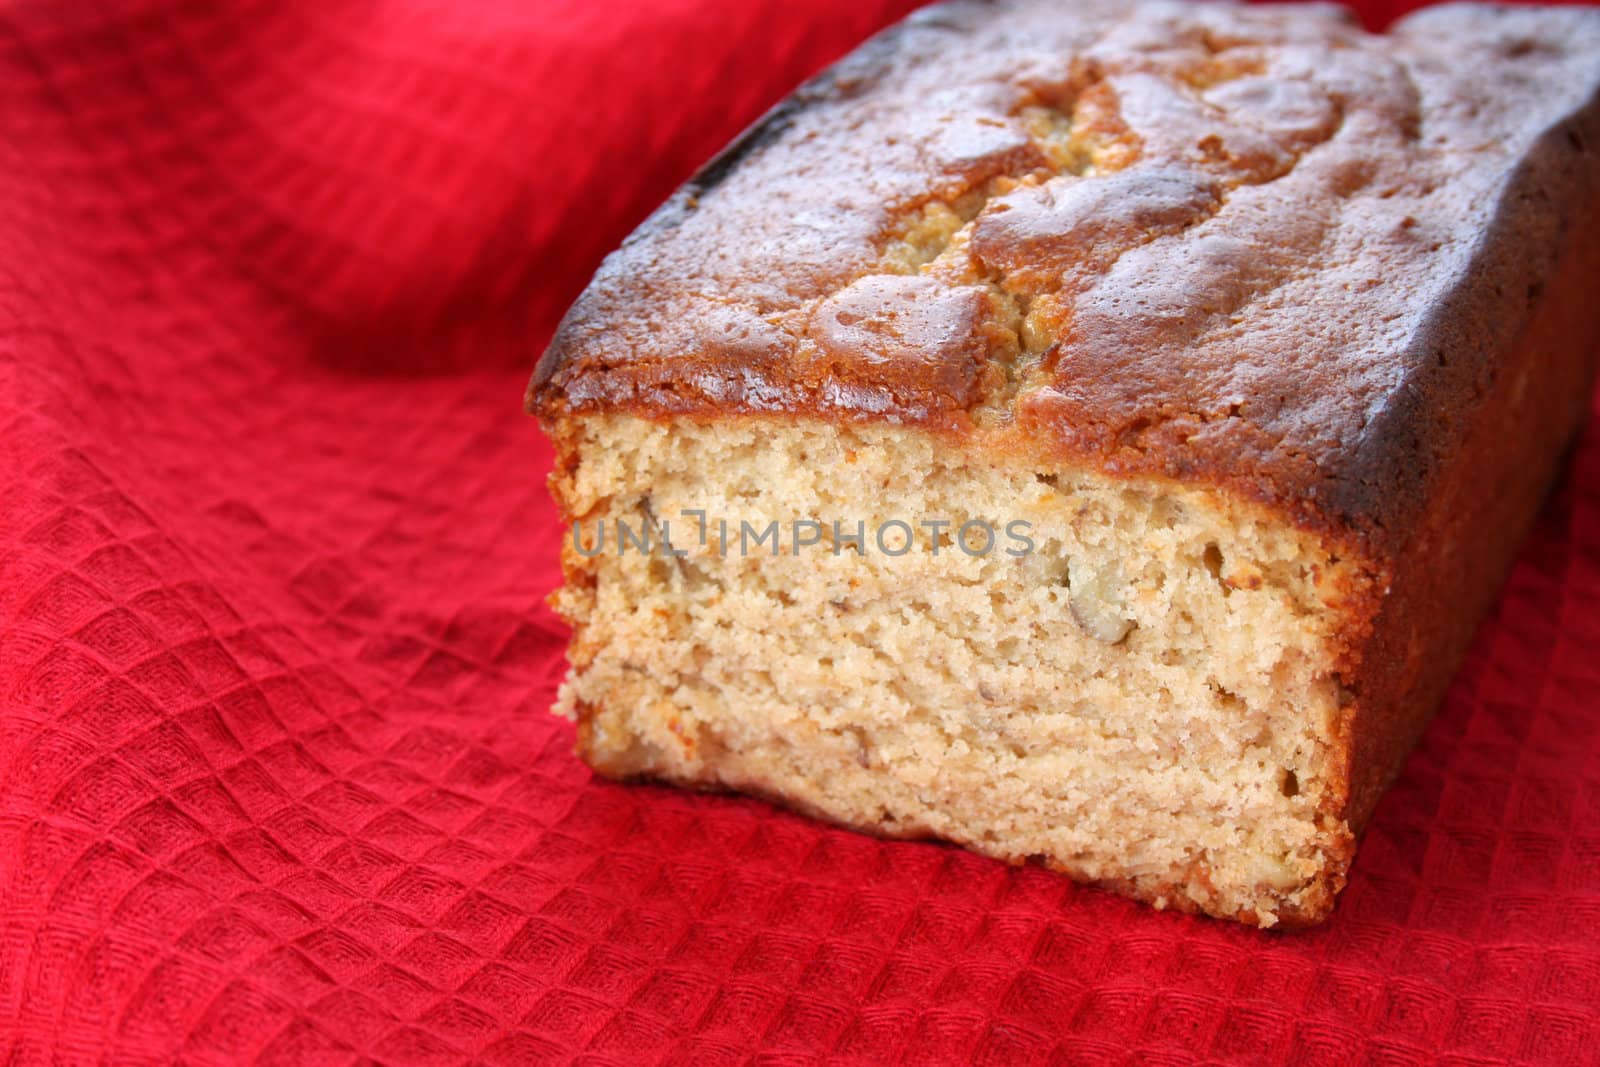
(1145, 695)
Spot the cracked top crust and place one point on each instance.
(1252, 246)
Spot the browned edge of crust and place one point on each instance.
(1485, 499)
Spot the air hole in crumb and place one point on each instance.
(1290, 784)
(1212, 558)
(863, 747)
(1227, 697)
(693, 577)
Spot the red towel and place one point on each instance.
(277, 781)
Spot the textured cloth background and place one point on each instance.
(277, 782)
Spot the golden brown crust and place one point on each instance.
(1285, 226)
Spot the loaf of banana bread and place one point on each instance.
(1088, 432)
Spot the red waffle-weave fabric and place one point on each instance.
(277, 782)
